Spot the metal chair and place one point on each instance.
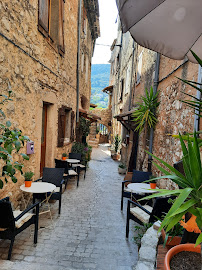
(14, 222)
(80, 166)
(146, 214)
(68, 172)
(53, 176)
(138, 177)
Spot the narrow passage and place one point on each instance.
(89, 233)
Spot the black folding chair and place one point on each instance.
(81, 166)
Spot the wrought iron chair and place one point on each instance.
(146, 214)
(138, 177)
(14, 222)
(53, 176)
(80, 166)
(68, 172)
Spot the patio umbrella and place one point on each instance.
(170, 27)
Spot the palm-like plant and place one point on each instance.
(189, 198)
(145, 113)
(145, 116)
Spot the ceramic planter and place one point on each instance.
(121, 170)
(153, 185)
(28, 183)
(171, 241)
(64, 158)
(177, 249)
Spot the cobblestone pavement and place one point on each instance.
(89, 233)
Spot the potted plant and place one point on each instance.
(122, 168)
(174, 237)
(188, 197)
(28, 178)
(117, 143)
(64, 156)
(152, 182)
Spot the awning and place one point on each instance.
(108, 89)
(170, 27)
(90, 116)
(126, 120)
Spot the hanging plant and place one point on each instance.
(84, 126)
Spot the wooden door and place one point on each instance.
(43, 138)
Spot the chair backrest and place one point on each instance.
(161, 207)
(61, 164)
(139, 176)
(53, 175)
(179, 166)
(6, 214)
(75, 156)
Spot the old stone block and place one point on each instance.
(147, 253)
(144, 266)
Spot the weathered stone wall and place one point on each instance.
(38, 75)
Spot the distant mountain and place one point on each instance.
(99, 80)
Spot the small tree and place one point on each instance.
(11, 141)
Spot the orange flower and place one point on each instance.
(191, 225)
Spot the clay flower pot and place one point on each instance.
(64, 158)
(171, 241)
(153, 185)
(28, 183)
(177, 249)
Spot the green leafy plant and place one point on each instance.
(117, 142)
(145, 116)
(188, 198)
(84, 149)
(145, 112)
(122, 166)
(84, 126)
(140, 231)
(152, 179)
(64, 155)
(28, 175)
(11, 141)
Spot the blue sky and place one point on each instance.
(108, 31)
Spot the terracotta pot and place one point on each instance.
(177, 249)
(176, 240)
(64, 158)
(116, 157)
(28, 183)
(153, 185)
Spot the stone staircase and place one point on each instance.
(93, 141)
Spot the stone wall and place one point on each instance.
(38, 75)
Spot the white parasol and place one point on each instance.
(170, 27)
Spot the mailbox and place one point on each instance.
(30, 147)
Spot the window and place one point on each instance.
(139, 68)
(50, 22)
(86, 69)
(121, 90)
(84, 21)
(127, 88)
(65, 126)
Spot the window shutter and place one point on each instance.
(43, 17)
(61, 126)
(72, 126)
(61, 46)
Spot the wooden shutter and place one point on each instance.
(61, 126)
(72, 126)
(61, 46)
(43, 17)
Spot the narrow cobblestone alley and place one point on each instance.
(89, 233)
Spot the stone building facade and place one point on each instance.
(133, 68)
(38, 60)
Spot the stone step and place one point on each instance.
(93, 144)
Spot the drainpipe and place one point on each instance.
(131, 79)
(155, 86)
(78, 61)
